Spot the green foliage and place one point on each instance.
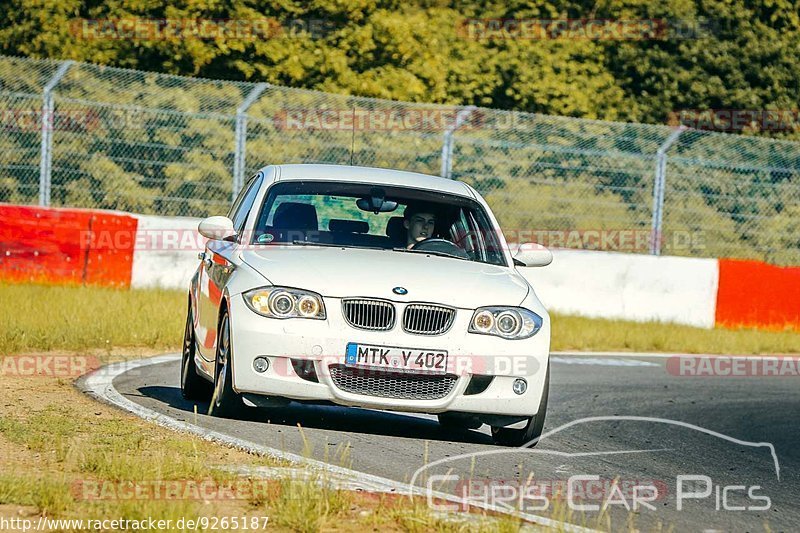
(165, 145)
(729, 54)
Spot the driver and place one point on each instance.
(419, 221)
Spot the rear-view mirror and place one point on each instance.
(533, 255)
(217, 228)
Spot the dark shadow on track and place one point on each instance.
(329, 417)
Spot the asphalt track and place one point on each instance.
(721, 417)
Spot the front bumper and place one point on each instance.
(322, 343)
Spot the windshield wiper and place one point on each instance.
(311, 243)
(332, 245)
(430, 252)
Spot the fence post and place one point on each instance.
(46, 153)
(447, 142)
(240, 151)
(658, 191)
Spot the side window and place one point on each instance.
(244, 203)
(488, 239)
(460, 236)
(236, 203)
(477, 237)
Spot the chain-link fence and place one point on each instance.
(88, 136)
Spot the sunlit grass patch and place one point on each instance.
(47, 494)
(592, 334)
(417, 517)
(109, 448)
(307, 504)
(49, 430)
(51, 317)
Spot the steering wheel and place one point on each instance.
(443, 246)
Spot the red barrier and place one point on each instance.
(110, 261)
(752, 293)
(43, 245)
(52, 245)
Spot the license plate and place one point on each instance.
(398, 359)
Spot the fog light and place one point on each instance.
(261, 364)
(520, 386)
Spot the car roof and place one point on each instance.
(381, 176)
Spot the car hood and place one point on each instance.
(349, 272)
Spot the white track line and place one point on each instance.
(658, 355)
(599, 361)
(99, 384)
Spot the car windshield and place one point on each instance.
(370, 216)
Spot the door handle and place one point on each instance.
(202, 256)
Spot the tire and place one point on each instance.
(532, 430)
(450, 421)
(193, 385)
(225, 402)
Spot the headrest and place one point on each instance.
(395, 229)
(295, 215)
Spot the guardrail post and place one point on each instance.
(46, 153)
(447, 142)
(658, 191)
(240, 150)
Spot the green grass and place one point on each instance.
(60, 440)
(106, 447)
(46, 318)
(48, 495)
(591, 334)
(307, 505)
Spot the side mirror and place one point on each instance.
(533, 255)
(216, 228)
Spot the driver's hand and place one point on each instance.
(419, 239)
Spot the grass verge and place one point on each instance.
(46, 318)
(65, 456)
(592, 334)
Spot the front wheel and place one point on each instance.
(225, 402)
(532, 430)
(193, 386)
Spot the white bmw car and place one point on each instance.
(372, 288)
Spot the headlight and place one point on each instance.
(507, 322)
(282, 302)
